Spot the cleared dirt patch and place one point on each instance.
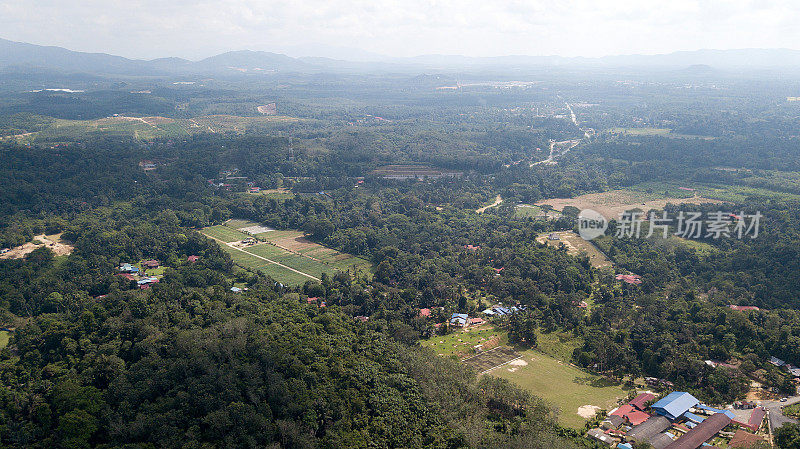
(497, 201)
(588, 411)
(54, 242)
(575, 245)
(615, 202)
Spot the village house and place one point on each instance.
(128, 268)
(152, 263)
(459, 320)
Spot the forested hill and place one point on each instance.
(97, 362)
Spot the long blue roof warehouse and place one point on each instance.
(674, 405)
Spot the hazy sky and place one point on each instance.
(156, 28)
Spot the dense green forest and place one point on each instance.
(94, 361)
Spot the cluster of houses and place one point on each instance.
(677, 421)
(633, 279)
(793, 370)
(143, 280)
(463, 320)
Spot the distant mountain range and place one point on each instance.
(18, 56)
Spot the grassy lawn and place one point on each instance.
(526, 210)
(556, 344)
(460, 343)
(4, 336)
(564, 386)
(224, 233)
(236, 223)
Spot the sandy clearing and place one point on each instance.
(54, 242)
(588, 411)
(497, 201)
(575, 244)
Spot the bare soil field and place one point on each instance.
(54, 242)
(575, 245)
(498, 199)
(615, 202)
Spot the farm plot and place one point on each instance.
(284, 265)
(615, 202)
(224, 233)
(492, 359)
(296, 243)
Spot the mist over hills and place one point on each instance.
(24, 57)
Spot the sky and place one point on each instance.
(359, 28)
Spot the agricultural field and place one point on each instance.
(4, 337)
(661, 132)
(565, 386)
(287, 256)
(577, 245)
(224, 233)
(278, 194)
(148, 128)
(615, 202)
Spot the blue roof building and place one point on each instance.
(128, 268)
(459, 319)
(675, 404)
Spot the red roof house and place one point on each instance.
(193, 259)
(756, 418)
(629, 412)
(640, 402)
(630, 278)
(425, 312)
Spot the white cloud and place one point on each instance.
(150, 28)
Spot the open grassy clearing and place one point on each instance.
(150, 128)
(278, 194)
(661, 132)
(224, 233)
(4, 337)
(460, 343)
(559, 345)
(563, 385)
(615, 202)
(577, 245)
(527, 210)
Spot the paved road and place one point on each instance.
(776, 418)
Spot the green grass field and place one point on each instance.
(662, 132)
(224, 233)
(564, 386)
(236, 223)
(150, 128)
(4, 336)
(332, 261)
(526, 210)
